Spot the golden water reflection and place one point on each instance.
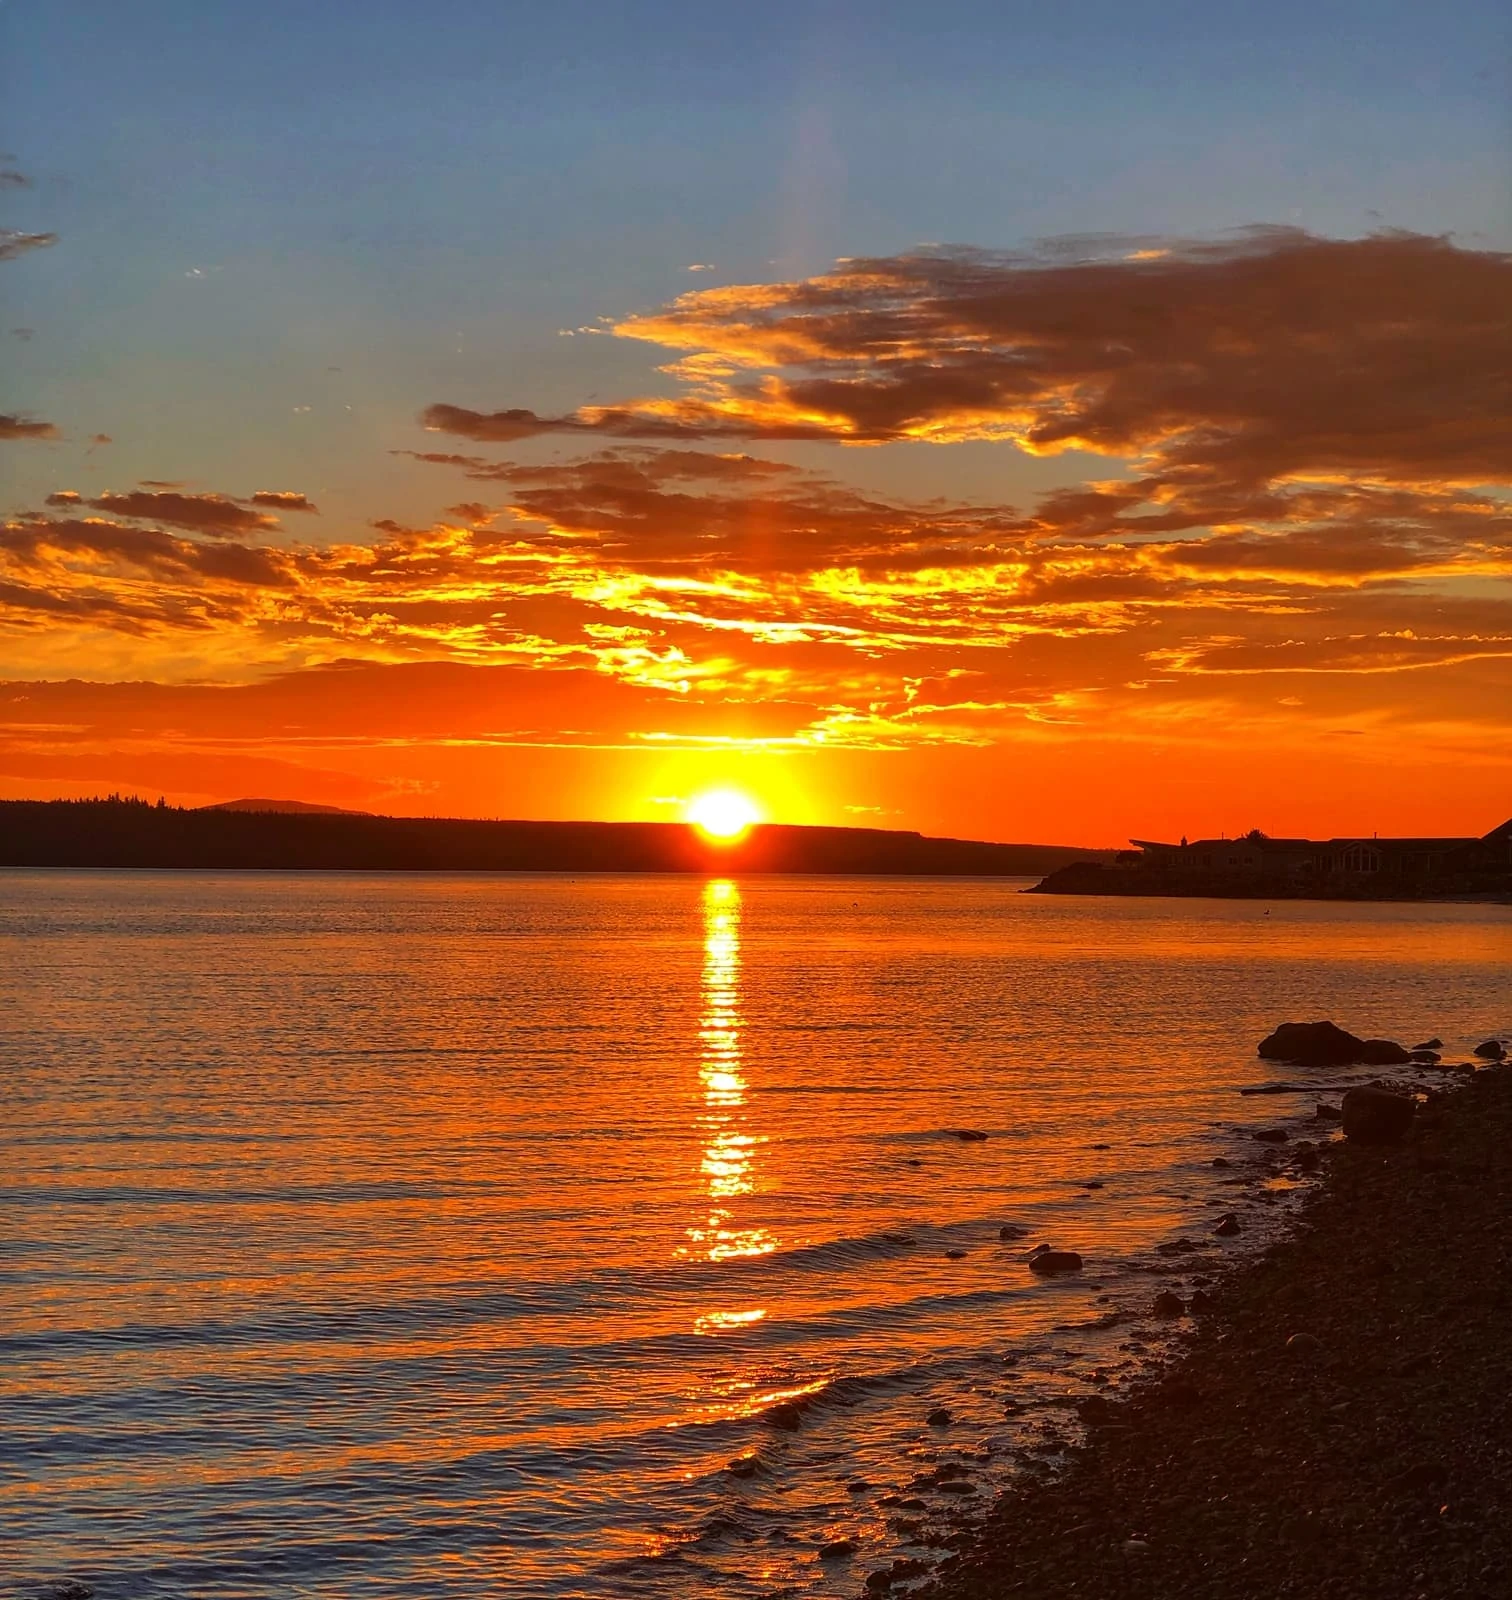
(729, 1149)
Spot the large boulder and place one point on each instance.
(1377, 1116)
(1492, 1050)
(1048, 1263)
(1322, 1044)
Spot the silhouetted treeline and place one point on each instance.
(127, 833)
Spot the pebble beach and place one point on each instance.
(1338, 1421)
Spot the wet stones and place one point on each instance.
(1168, 1305)
(900, 1571)
(1430, 1044)
(969, 1135)
(1050, 1263)
(940, 1417)
(1377, 1116)
(1271, 1135)
(1326, 1113)
(837, 1549)
(1095, 1409)
(1324, 1044)
(1491, 1050)
(1228, 1226)
(1011, 1230)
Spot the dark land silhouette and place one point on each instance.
(1253, 866)
(133, 833)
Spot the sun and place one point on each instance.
(723, 814)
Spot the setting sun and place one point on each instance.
(723, 814)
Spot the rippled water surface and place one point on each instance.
(394, 1236)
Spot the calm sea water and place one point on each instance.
(427, 1237)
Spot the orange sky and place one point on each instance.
(1266, 582)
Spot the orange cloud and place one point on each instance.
(1302, 539)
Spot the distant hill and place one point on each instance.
(132, 833)
(285, 808)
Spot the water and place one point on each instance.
(390, 1237)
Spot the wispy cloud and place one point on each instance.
(12, 427)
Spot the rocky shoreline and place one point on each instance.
(1340, 1421)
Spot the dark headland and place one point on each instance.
(1254, 866)
(1339, 1424)
(133, 833)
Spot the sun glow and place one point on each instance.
(723, 814)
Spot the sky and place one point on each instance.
(1016, 422)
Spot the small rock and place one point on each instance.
(939, 1418)
(1094, 1409)
(1177, 1247)
(1304, 1344)
(1101, 1147)
(70, 1589)
(1011, 1231)
(1271, 1135)
(1168, 1305)
(1328, 1113)
(1426, 1058)
(858, 1486)
(969, 1135)
(1228, 1226)
(1095, 1183)
(1222, 1161)
(1048, 1262)
(1430, 1044)
(837, 1549)
(955, 1255)
(1201, 1303)
(1377, 1116)
(1136, 1547)
(1491, 1050)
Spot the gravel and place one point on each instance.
(1341, 1421)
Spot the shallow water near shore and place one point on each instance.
(385, 1236)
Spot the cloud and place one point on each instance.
(20, 428)
(198, 513)
(648, 420)
(282, 500)
(1306, 465)
(1271, 356)
(13, 244)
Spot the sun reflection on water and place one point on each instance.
(729, 1150)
